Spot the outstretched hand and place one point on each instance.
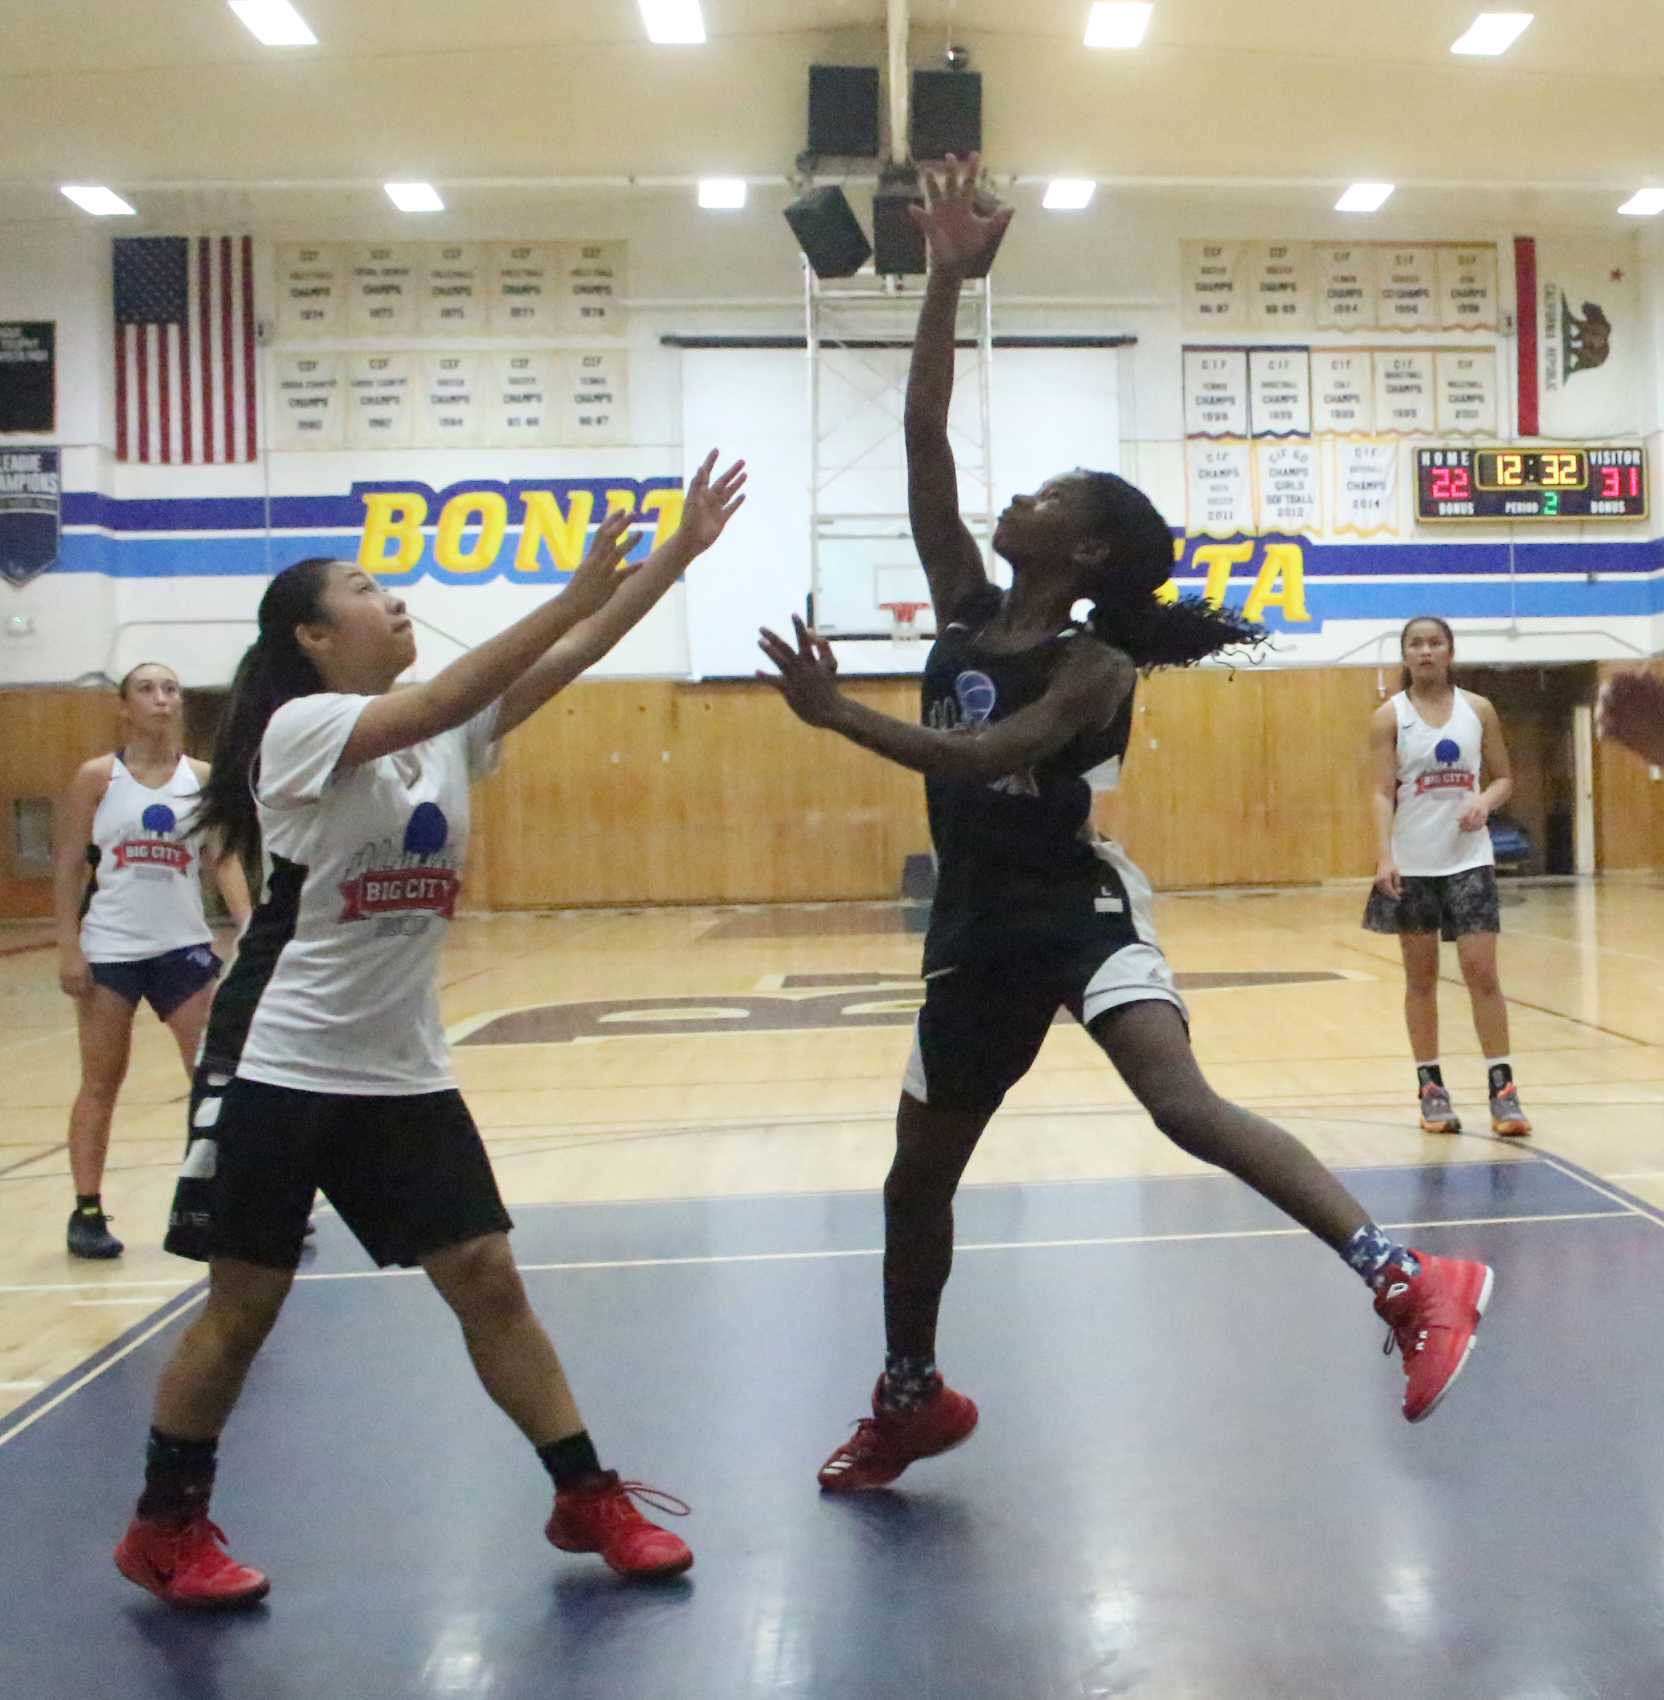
(961, 223)
(602, 571)
(808, 674)
(709, 504)
(1631, 712)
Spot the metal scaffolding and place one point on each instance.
(859, 336)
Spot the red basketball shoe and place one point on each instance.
(186, 1564)
(599, 1517)
(884, 1444)
(1433, 1316)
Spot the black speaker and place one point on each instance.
(947, 113)
(843, 110)
(829, 233)
(897, 239)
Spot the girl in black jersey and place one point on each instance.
(1024, 711)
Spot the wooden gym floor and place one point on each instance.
(723, 1081)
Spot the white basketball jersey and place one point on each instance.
(1438, 778)
(145, 897)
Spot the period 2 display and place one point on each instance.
(1538, 483)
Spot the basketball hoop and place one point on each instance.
(903, 620)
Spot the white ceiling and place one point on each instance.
(1306, 94)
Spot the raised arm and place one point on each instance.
(398, 719)
(1383, 794)
(960, 227)
(708, 506)
(69, 869)
(1085, 693)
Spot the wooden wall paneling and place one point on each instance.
(44, 736)
(750, 806)
(1627, 804)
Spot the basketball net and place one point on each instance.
(904, 620)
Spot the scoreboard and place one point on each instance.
(1541, 483)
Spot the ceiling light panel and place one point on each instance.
(414, 197)
(274, 23)
(1068, 194)
(1493, 32)
(95, 199)
(1364, 197)
(1117, 23)
(722, 192)
(1644, 203)
(673, 23)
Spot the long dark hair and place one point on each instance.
(1126, 612)
(1404, 680)
(274, 670)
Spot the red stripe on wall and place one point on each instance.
(250, 415)
(121, 392)
(164, 359)
(141, 338)
(228, 352)
(1525, 330)
(205, 319)
(186, 439)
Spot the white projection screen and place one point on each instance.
(1052, 408)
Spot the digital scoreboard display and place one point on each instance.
(1510, 484)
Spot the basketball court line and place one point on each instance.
(32, 1410)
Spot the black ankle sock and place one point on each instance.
(1429, 1074)
(178, 1476)
(90, 1202)
(1502, 1074)
(570, 1460)
(908, 1381)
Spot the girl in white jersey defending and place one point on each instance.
(1435, 873)
(325, 1064)
(133, 928)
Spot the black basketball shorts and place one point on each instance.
(1451, 905)
(409, 1176)
(982, 1025)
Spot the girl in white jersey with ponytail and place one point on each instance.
(1430, 747)
(132, 929)
(325, 1067)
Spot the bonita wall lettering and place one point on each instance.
(529, 531)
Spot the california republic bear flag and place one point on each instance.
(1586, 325)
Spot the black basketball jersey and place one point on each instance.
(1018, 867)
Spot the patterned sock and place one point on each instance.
(1501, 1071)
(570, 1460)
(178, 1477)
(1429, 1074)
(1372, 1254)
(907, 1382)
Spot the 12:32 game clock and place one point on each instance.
(1521, 483)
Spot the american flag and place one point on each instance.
(185, 387)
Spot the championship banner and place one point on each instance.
(1219, 488)
(30, 513)
(1364, 489)
(1587, 326)
(1290, 499)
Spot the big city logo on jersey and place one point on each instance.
(410, 883)
(1446, 777)
(148, 848)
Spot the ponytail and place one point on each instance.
(274, 670)
(1126, 612)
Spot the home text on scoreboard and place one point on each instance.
(1537, 483)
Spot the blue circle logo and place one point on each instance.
(158, 818)
(1447, 750)
(427, 830)
(977, 695)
